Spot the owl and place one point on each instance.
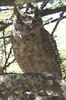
(34, 48)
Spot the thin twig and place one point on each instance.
(4, 43)
(6, 23)
(4, 27)
(5, 37)
(59, 19)
(44, 4)
(54, 20)
(4, 67)
(63, 59)
(10, 62)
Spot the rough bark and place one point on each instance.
(33, 85)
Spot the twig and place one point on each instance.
(6, 23)
(4, 43)
(5, 37)
(10, 63)
(54, 20)
(4, 27)
(44, 4)
(63, 59)
(4, 67)
(48, 19)
(59, 19)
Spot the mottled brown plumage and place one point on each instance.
(34, 48)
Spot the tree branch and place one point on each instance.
(11, 8)
(4, 43)
(4, 67)
(42, 13)
(5, 23)
(63, 59)
(5, 26)
(44, 4)
(7, 65)
(34, 82)
(59, 19)
(52, 11)
(54, 20)
(5, 37)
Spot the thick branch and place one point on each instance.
(43, 12)
(32, 82)
(52, 11)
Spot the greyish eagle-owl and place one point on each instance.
(34, 48)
